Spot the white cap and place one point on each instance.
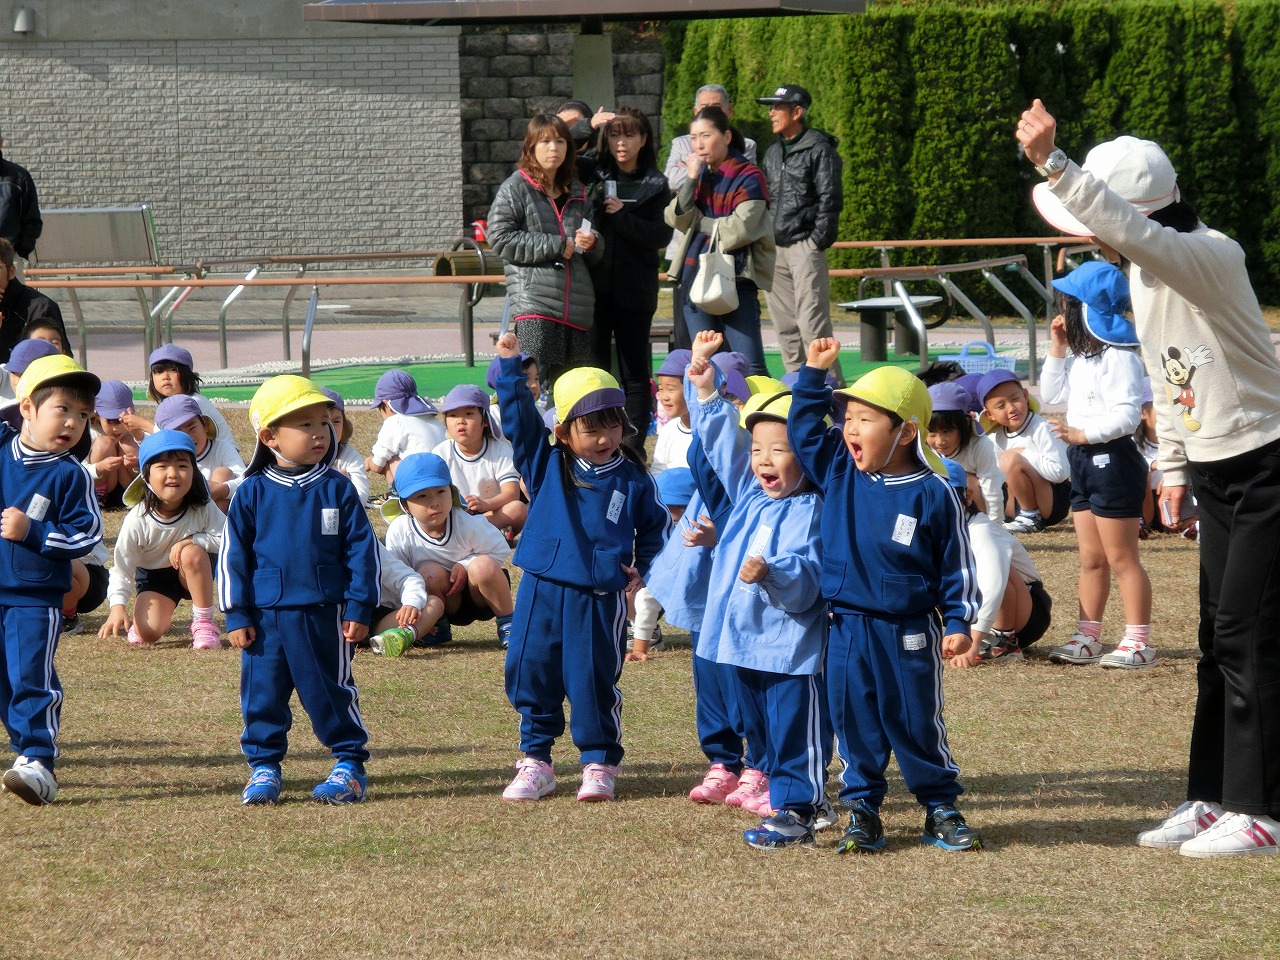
(1137, 170)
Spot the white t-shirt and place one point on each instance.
(221, 453)
(671, 449)
(979, 458)
(466, 536)
(145, 541)
(401, 435)
(350, 462)
(996, 551)
(400, 586)
(1041, 447)
(484, 474)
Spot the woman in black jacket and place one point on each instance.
(631, 194)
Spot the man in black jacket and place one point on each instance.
(20, 221)
(21, 307)
(806, 197)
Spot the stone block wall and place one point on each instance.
(505, 78)
(247, 145)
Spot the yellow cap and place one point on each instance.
(44, 371)
(902, 393)
(759, 384)
(281, 396)
(766, 406)
(585, 390)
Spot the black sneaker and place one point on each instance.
(72, 624)
(865, 833)
(1000, 646)
(944, 827)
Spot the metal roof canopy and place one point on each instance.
(467, 12)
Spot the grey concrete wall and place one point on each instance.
(248, 131)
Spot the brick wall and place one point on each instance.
(247, 145)
(505, 78)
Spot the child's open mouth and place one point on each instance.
(855, 450)
(769, 481)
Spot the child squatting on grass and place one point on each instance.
(49, 516)
(165, 546)
(595, 526)
(899, 574)
(299, 574)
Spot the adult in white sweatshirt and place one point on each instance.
(1218, 420)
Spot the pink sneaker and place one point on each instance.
(205, 635)
(597, 783)
(135, 640)
(719, 782)
(534, 779)
(752, 785)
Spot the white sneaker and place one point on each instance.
(1190, 820)
(826, 816)
(597, 783)
(32, 781)
(534, 779)
(1079, 649)
(1235, 835)
(1130, 655)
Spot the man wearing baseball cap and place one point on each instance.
(805, 195)
(298, 558)
(1203, 335)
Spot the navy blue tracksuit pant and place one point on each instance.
(30, 694)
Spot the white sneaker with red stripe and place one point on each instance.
(1235, 835)
(1078, 650)
(1130, 655)
(1190, 820)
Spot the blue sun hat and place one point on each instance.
(26, 351)
(154, 446)
(956, 475)
(950, 396)
(675, 486)
(1103, 292)
(675, 364)
(398, 390)
(418, 472)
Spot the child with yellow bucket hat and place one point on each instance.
(298, 574)
(595, 526)
(897, 555)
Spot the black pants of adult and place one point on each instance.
(621, 325)
(1235, 740)
(681, 338)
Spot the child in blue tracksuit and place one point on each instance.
(595, 525)
(298, 579)
(50, 516)
(896, 557)
(765, 614)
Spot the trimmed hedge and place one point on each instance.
(924, 97)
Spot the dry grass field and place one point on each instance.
(149, 854)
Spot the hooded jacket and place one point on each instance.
(529, 233)
(805, 189)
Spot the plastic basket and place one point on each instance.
(980, 357)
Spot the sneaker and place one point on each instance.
(394, 642)
(72, 625)
(752, 784)
(1190, 820)
(346, 783)
(865, 833)
(205, 635)
(1025, 524)
(1000, 647)
(1234, 835)
(597, 783)
(825, 817)
(655, 642)
(534, 780)
(759, 804)
(32, 781)
(1079, 649)
(443, 634)
(263, 788)
(135, 639)
(944, 827)
(786, 828)
(504, 634)
(719, 782)
(1130, 655)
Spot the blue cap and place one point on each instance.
(173, 412)
(732, 360)
(26, 351)
(955, 474)
(421, 471)
(675, 486)
(114, 398)
(495, 368)
(736, 386)
(171, 353)
(992, 379)
(399, 391)
(336, 397)
(675, 364)
(465, 395)
(970, 382)
(154, 446)
(950, 396)
(1103, 292)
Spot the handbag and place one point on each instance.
(714, 288)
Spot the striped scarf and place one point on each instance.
(719, 192)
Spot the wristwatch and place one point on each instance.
(1054, 164)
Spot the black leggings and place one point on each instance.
(621, 325)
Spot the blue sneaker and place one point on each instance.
(443, 635)
(944, 827)
(786, 828)
(346, 783)
(865, 833)
(263, 788)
